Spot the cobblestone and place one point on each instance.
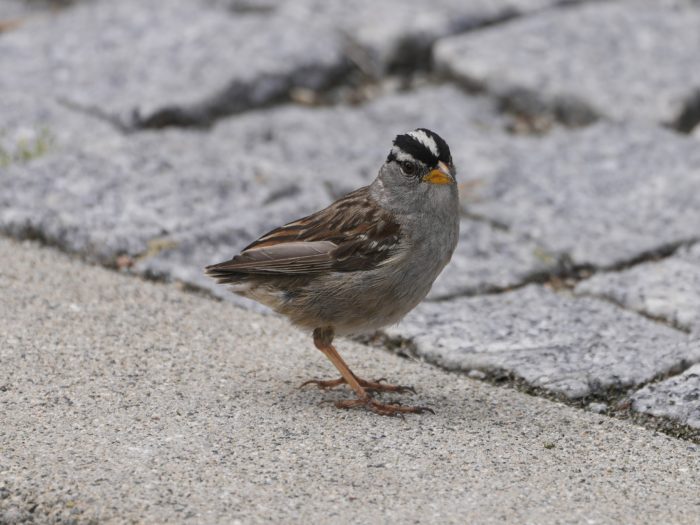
(34, 126)
(576, 347)
(667, 289)
(191, 62)
(398, 34)
(677, 398)
(603, 196)
(622, 60)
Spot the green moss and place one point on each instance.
(27, 150)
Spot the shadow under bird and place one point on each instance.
(363, 262)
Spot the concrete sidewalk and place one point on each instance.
(127, 401)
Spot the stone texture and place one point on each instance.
(575, 347)
(602, 196)
(399, 33)
(12, 11)
(177, 200)
(168, 61)
(677, 398)
(345, 145)
(33, 126)
(623, 60)
(125, 401)
(487, 259)
(668, 289)
(15, 12)
(200, 60)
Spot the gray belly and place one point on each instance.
(355, 302)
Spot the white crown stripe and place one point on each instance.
(426, 140)
(400, 154)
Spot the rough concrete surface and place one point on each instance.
(124, 400)
(576, 347)
(624, 60)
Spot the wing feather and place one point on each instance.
(286, 258)
(352, 234)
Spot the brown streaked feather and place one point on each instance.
(351, 234)
(285, 258)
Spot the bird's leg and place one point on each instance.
(323, 338)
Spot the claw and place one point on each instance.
(323, 385)
(372, 386)
(383, 409)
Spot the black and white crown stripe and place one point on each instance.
(427, 141)
(422, 145)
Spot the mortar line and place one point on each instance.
(618, 402)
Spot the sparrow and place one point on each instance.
(363, 262)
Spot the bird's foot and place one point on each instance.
(373, 386)
(384, 409)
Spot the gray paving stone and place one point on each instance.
(12, 11)
(576, 347)
(119, 198)
(624, 60)
(668, 289)
(199, 60)
(677, 398)
(488, 259)
(603, 195)
(32, 126)
(168, 60)
(399, 33)
(177, 200)
(347, 144)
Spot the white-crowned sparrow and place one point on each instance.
(363, 262)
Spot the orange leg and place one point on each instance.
(323, 337)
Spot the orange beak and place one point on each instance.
(440, 175)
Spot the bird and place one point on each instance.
(363, 262)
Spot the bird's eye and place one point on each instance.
(409, 168)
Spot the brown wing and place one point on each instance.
(351, 234)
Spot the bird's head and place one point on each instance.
(419, 164)
(421, 157)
